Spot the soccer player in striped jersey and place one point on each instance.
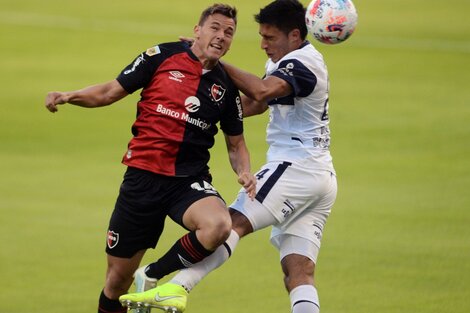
(185, 94)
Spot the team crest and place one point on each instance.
(113, 239)
(217, 92)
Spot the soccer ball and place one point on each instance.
(331, 21)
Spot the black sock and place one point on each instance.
(107, 305)
(184, 253)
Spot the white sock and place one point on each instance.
(304, 299)
(191, 276)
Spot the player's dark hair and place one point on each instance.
(219, 8)
(286, 15)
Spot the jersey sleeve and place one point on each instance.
(231, 121)
(139, 73)
(301, 79)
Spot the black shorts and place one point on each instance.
(144, 201)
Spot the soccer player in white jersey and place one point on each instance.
(296, 188)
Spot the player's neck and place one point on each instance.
(207, 63)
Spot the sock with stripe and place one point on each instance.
(304, 299)
(106, 305)
(190, 277)
(184, 253)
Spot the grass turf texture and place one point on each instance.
(398, 239)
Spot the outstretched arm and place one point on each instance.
(240, 160)
(260, 90)
(89, 97)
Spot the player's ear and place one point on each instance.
(295, 33)
(197, 29)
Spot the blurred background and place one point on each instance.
(398, 239)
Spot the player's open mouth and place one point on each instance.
(216, 46)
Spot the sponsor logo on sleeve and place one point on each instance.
(137, 62)
(153, 51)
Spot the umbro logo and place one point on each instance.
(185, 262)
(176, 76)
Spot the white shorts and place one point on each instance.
(295, 201)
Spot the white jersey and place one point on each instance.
(298, 129)
(297, 188)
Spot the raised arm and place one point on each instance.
(239, 158)
(89, 97)
(260, 90)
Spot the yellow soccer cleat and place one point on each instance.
(168, 297)
(142, 283)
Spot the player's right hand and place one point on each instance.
(53, 99)
(248, 181)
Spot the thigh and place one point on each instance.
(294, 190)
(285, 191)
(264, 210)
(258, 215)
(197, 194)
(302, 231)
(208, 211)
(138, 218)
(294, 245)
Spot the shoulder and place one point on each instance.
(219, 74)
(304, 58)
(167, 48)
(307, 53)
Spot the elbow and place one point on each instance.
(112, 92)
(260, 95)
(257, 91)
(107, 101)
(259, 98)
(110, 98)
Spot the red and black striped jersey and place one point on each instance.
(180, 107)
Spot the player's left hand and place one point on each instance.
(248, 181)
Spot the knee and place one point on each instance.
(216, 231)
(292, 281)
(220, 231)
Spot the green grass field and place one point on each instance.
(398, 239)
